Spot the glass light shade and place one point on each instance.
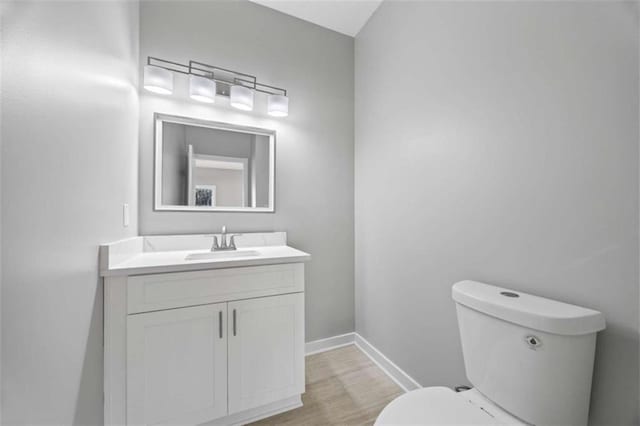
(241, 98)
(158, 80)
(202, 89)
(278, 105)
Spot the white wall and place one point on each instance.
(69, 162)
(314, 145)
(230, 185)
(498, 141)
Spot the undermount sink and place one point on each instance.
(213, 255)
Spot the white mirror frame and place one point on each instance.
(159, 119)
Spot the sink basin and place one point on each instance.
(213, 255)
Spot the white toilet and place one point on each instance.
(529, 358)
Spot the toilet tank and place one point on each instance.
(530, 355)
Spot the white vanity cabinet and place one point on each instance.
(266, 350)
(212, 346)
(177, 366)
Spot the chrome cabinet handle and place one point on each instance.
(234, 322)
(220, 323)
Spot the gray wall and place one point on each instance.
(498, 142)
(69, 162)
(260, 169)
(2, 13)
(218, 142)
(314, 147)
(174, 164)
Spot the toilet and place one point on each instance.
(530, 360)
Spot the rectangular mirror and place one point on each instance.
(209, 166)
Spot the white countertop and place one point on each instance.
(153, 255)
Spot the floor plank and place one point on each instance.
(344, 387)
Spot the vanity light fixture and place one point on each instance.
(158, 80)
(241, 98)
(206, 81)
(202, 89)
(277, 105)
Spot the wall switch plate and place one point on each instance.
(125, 215)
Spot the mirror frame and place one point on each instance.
(159, 119)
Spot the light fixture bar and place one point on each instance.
(168, 65)
(212, 69)
(216, 73)
(259, 87)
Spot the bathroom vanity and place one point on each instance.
(193, 336)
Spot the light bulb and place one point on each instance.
(241, 98)
(278, 105)
(158, 80)
(202, 89)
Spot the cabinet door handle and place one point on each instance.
(234, 322)
(220, 323)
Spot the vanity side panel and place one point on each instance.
(148, 293)
(115, 350)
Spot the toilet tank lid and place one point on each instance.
(527, 310)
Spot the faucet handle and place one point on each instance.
(232, 241)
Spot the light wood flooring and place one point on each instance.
(344, 387)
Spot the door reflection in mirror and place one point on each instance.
(213, 166)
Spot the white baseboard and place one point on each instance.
(402, 379)
(255, 414)
(329, 343)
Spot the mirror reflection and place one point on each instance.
(213, 166)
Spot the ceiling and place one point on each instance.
(344, 16)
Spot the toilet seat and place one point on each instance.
(443, 406)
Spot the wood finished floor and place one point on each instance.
(344, 387)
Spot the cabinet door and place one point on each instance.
(177, 366)
(266, 350)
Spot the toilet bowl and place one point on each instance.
(530, 360)
(443, 406)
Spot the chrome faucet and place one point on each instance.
(223, 241)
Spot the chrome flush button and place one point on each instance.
(534, 342)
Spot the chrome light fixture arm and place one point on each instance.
(217, 74)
